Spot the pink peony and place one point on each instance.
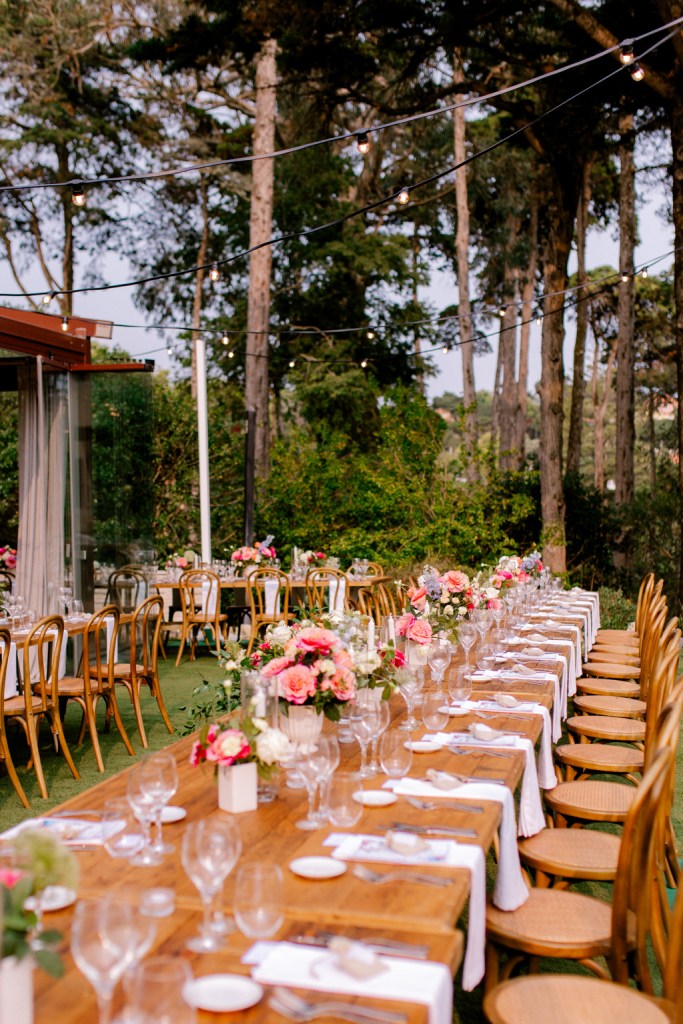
(344, 685)
(420, 631)
(197, 754)
(181, 563)
(316, 641)
(418, 597)
(454, 581)
(404, 623)
(228, 747)
(296, 684)
(343, 659)
(10, 876)
(11, 561)
(274, 667)
(523, 576)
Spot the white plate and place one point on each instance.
(422, 746)
(55, 897)
(375, 797)
(317, 867)
(172, 813)
(454, 712)
(222, 993)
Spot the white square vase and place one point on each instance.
(238, 787)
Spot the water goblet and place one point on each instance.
(384, 719)
(103, 946)
(467, 635)
(485, 657)
(312, 765)
(210, 850)
(143, 802)
(259, 899)
(439, 659)
(159, 777)
(434, 713)
(364, 725)
(156, 992)
(343, 810)
(395, 757)
(123, 837)
(460, 684)
(410, 686)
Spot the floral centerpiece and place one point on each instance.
(312, 558)
(314, 670)
(8, 557)
(379, 668)
(176, 561)
(261, 554)
(254, 741)
(44, 861)
(532, 565)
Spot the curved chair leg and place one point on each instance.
(155, 690)
(181, 645)
(35, 753)
(134, 693)
(111, 698)
(12, 772)
(60, 738)
(90, 714)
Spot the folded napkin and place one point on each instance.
(544, 764)
(413, 981)
(71, 831)
(272, 597)
(11, 688)
(531, 818)
(210, 592)
(510, 889)
(337, 595)
(440, 853)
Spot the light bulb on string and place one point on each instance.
(225, 339)
(370, 335)
(404, 196)
(643, 272)
(502, 311)
(214, 273)
(445, 350)
(363, 364)
(65, 323)
(169, 349)
(231, 355)
(539, 319)
(624, 276)
(363, 142)
(626, 55)
(47, 298)
(77, 193)
(637, 73)
(292, 364)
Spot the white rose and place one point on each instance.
(272, 745)
(448, 610)
(328, 666)
(280, 634)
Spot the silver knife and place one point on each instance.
(385, 947)
(434, 830)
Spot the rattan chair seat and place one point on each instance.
(595, 704)
(608, 687)
(614, 655)
(572, 853)
(16, 706)
(570, 999)
(591, 800)
(606, 727)
(122, 669)
(70, 685)
(626, 636)
(558, 922)
(611, 670)
(600, 757)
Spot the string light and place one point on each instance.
(77, 194)
(169, 349)
(643, 272)
(225, 339)
(292, 364)
(637, 73)
(446, 349)
(363, 364)
(502, 311)
(624, 276)
(626, 54)
(363, 142)
(231, 355)
(47, 298)
(404, 196)
(370, 335)
(65, 323)
(214, 273)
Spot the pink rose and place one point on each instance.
(11, 561)
(344, 685)
(417, 597)
(274, 667)
(228, 747)
(454, 581)
(10, 876)
(316, 641)
(296, 684)
(420, 631)
(494, 602)
(181, 563)
(197, 754)
(212, 732)
(404, 623)
(522, 576)
(343, 659)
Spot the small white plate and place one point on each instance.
(55, 897)
(317, 867)
(453, 711)
(375, 797)
(222, 993)
(172, 813)
(422, 746)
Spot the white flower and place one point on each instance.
(261, 724)
(327, 666)
(448, 610)
(366, 663)
(230, 665)
(445, 597)
(280, 634)
(272, 745)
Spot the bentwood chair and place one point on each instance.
(40, 698)
(97, 681)
(200, 598)
(142, 667)
(268, 591)
(5, 753)
(6, 582)
(326, 590)
(126, 588)
(569, 925)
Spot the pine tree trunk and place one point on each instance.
(652, 440)
(525, 330)
(625, 442)
(495, 397)
(508, 391)
(600, 409)
(578, 381)
(420, 379)
(260, 230)
(462, 242)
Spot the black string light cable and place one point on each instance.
(361, 136)
(339, 221)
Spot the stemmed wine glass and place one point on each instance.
(410, 686)
(364, 724)
(160, 779)
(325, 777)
(395, 755)
(384, 719)
(144, 802)
(210, 850)
(103, 945)
(314, 765)
(259, 899)
(467, 635)
(156, 992)
(439, 659)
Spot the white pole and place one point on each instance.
(203, 444)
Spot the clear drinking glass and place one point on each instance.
(439, 659)
(364, 724)
(103, 945)
(155, 994)
(313, 766)
(410, 686)
(343, 810)
(485, 657)
(159, 777)
(259, 899)
(394, 756)
(123, 836)
(434, 713)
(460, 684)
(384, 719)
(326, 775)
(210, 850)
(144, 804)
(467, 635)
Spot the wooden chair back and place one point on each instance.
(126, 588)
(42, 652)
(99, 647)
(260, 596)
(389, 605)
(652, 638)
(145, 632)
(319, 583)
(5, 753)
(369, 603)
(663, 675)
(197, 589)
(645, 594)
(6, 582)
(375, 569)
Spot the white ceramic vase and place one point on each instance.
(16, 990)
(302, 725)
(238, 787)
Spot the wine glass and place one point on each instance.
(467, 635)
(460, 684)
(103, 946)
(210, 850)
(160, 779)
(439, 659)
(384, 719)
(364, 725)
(434, 714)
(312, 765)
(410, 685)
(156, 992)
(485, 657)
(259, 899)
(121, 830)
(326, 775)
(394, 756)
(143, 802)
(343, 810)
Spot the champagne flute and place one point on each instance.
(326, 775)
(364, 724)
(102, 947)
(210, 850)
(439, 659)
(259, 899)
(395, 756)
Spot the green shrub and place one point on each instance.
(616, 611)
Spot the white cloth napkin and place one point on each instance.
(413, 981)
(510, 889)
(337, 597)
(531, 818)
(109, 620)
(11, 688)
(209, 597)
(372, 848)
(273, 601)
(544, 763)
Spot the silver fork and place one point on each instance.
(435, 805)
(368, 875)
(296, 1008)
